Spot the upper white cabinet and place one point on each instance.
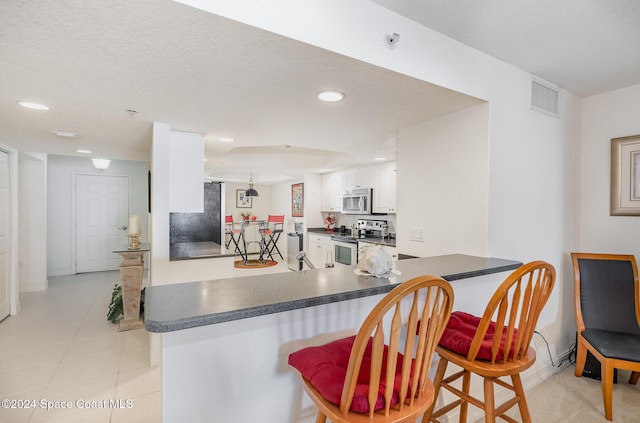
(332, 189)
(186, 172)
(360, 177)
(384, 192)
(381, 178)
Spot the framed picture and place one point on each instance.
(625, 176)
(242, 201)
(297, 200)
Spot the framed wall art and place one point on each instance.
(625, 176)
(297, 200)
(242, 201)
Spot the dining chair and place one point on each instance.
(607, 308)
(494, 346)
(380, 374)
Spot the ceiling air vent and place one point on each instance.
(545, 98)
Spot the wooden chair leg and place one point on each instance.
(321, 418)
(606, 369)
(522, 404)
(437, 381)
(633, 379)
(489, 401)
(581, 359)
(464, 407)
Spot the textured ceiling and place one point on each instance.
(91, 61)
(586, 47)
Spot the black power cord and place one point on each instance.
(572, 352)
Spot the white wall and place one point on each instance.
(60, 177)
(32, 262)
(443, 184)
(606, 116)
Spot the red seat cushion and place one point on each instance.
(461, 329)
(325, 367)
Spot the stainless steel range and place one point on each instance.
(345, 245)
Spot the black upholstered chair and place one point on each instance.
(607, 307)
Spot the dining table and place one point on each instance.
(261, 241)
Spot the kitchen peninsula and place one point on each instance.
(225, 342)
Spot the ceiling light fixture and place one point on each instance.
(101, 164)
(33, 106)
(226, 139)
(379, 159)
(251, 192)
(65, 134)
(331, 96)
(84, 151)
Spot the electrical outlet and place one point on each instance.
(417, 233)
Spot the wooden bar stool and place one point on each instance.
(371, 377)
(471, 343)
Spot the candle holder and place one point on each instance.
(134, 241)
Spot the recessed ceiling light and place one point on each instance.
(226, 139)
(330, 96)
(84, 151)
(65, 134)
(33, 106)
(379, 159)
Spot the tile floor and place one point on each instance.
(60, 347)
(566, 398)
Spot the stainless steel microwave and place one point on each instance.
(357, 201)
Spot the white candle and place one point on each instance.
(134, 225)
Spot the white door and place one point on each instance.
(5, 244)
(102, 211)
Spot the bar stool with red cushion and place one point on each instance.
(372, 377)
(272, 234)
(234, 234)
(471, 343)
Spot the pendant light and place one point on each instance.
(251, 192)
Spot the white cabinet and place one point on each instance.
(382, 178)
(186, 172)
(384, 191)
(319, 245)
(332, 189)
(360, 177)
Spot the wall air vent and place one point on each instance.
(545, 98)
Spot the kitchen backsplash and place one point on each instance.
(349, 219)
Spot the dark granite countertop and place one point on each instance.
(390, 242)
(186, 305)
(318, 231)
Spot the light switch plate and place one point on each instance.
(417, 233)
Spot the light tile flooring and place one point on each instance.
(60, 347)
